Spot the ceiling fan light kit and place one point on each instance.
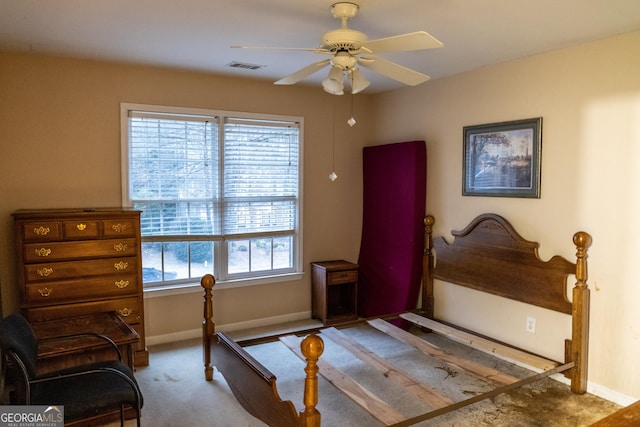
(358, 81)
(334, 81)
(349, 49)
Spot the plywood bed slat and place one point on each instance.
(424, 392)
(473, 368)
(505, 352)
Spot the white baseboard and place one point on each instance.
(174, 337)
(610, 395)
(197, 333)
(600, 391)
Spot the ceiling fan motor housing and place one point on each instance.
(343, 39)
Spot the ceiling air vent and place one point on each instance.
(244, 65)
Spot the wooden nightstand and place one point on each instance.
(334, 291)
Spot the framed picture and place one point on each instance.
(502, 159)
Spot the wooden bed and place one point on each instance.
(489, 256)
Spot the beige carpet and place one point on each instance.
(176, 393)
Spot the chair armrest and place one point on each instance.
(106, 340)
(121, 371)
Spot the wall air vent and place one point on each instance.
(244, 65)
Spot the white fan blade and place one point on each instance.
(403, 42)
(393, 71)
(303, 73)
(304, 49)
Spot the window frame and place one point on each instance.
(193, 284)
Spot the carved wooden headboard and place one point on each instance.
(490, 256)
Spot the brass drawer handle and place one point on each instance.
(41, 231)
(122, 284)
(125, 312)
(119, 228)
(120, 247)
(44, 272)
(121, 265)
(81, 227)
(43, 252)
(45, 292)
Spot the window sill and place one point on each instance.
(189, 288)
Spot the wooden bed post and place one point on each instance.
(427, 267)
(312, 347)
(580, 316)
(208, 326)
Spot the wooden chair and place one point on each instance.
(85, 391)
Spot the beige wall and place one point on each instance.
(589, 98)
(59, 132)
(60, 139)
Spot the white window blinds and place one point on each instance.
(173, 173)
(260, 176)
(215, 176)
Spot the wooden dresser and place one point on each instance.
(73, 262)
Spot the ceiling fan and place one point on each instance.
(350, 49)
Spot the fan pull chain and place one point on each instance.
(352, 121)
(333, 176)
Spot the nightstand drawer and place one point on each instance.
(339, 277)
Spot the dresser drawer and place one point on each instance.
(73, 269)
(42, 231)
(81, 289)
(81, 230)
(36, 252)
(129, 308)
(119, 228)
(342, 277)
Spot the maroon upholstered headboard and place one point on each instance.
(391, 248)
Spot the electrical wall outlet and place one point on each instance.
(531, 325)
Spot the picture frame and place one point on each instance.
(502, 159)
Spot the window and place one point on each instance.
(219, 193)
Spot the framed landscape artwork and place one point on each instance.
(502, 159)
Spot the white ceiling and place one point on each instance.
(197, 34)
